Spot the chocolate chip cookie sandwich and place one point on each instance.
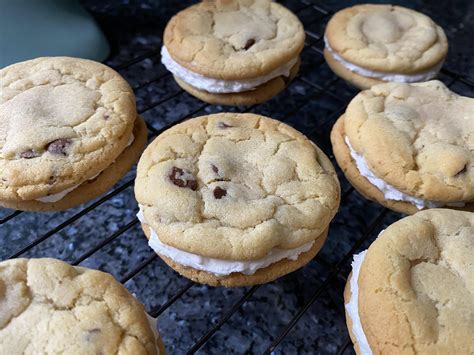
(412, 291)
(409, 146)
(371, 44)
(50, 307)
(233, 52)
(69, 130)
(235, 199)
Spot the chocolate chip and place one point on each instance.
(106, 116)
(249, 43)
(59, 146)
(223, 125)
(177, 178)
(462, 171)
(29, 154)
(219, 192)
(214, 169)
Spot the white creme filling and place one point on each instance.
(352, 307)
(60, 195)
(219, 86)
(390, 192)
(401, 78)
(220, 267)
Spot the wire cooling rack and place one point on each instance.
(300, 313)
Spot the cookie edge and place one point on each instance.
(91, 189)
(362, 185)
(260, 94)
(333, 29)
(169, 35)
(261, 276)
(359, 81)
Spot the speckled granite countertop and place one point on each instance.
(311, 104)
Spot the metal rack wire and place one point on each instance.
(317, 134)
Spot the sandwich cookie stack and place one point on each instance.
(69, 130)
(371, 44)
(50, 307)
(409, 146)
(235, 199)
(412, 291)
(233, 52)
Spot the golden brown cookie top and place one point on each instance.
(62, 121)
(387, 38)
(48, 306)
(235, 186)
(234, 39)
(419, 138)
(416, 285)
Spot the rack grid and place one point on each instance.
(313, 85)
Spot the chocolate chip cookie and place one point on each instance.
(235, 199)
(233, 52)
(412, 291)
(69, 130)
(409, 146)
(370, 44)
(48, 306)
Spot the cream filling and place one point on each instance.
(401, 78)
(352, 307)
(60, 195)
(219, 86)
(220, 267)
(390, 192)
